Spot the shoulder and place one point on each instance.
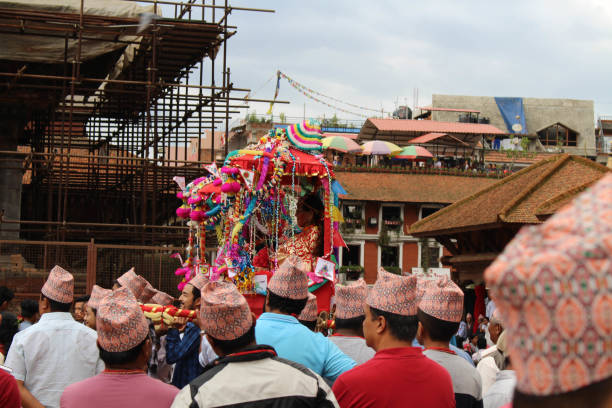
(81, 386)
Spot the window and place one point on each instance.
(351, 256)
(558, 135)
(392, 217)
(390, 257)
(353, 216)
(430, 254)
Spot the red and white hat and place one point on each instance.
(198, 281)
(162, 298)
(135, 283)
(443, 299)
(422, 285)
(290, 281)
(310, 311)
(59, 285)
(393, 293)
(350, 300)
(120, 323)
(225, 313)
(147, 293)
(97, 294)
(126, 277)
(552, 287)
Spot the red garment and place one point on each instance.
(479, 305)
(398, 377)
(9, 393)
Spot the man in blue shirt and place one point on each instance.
(183, 340)
(279, 327)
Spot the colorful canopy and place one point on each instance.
(379, 147)
(341, 143)
(413, 152)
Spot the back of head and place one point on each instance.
(349, 305)
(310, 312)
(440, 310)
(8, 329)
(29, 308)
(59, 289)
(6, 295)
(394, 298)
(288, 287)
(122, 328)
(226, 317)
(548, 285)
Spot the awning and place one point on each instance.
(450, 139)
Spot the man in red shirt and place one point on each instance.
(399, 375)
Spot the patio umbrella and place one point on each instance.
(341, 144)
(379, 147)
(413, 152)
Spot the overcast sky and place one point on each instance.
(375, 53)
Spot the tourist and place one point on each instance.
(399, 375)
(308, 315)
(246, 374)
(79, 308)
(491, 360)
(125, 347)
(552, 288)
(55, 352)
(501, 391)
(97, 294)
(183, 338)
(279, 327)
(6, 295)
(29, 313)
(348, 334)
(439, 313)
(9, 392)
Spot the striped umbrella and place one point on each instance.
(379, 147)
(413, 152)
(341, 144)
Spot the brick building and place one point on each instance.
(380, 207)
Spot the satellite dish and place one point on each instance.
(517, 127)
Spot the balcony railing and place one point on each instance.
(497, 173)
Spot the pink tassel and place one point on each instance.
(183, 212)
(197, 215)
(181, 286)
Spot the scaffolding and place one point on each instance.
(108, 108)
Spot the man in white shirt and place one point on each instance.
(55, 352)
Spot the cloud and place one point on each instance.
(372, 53)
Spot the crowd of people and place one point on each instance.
(550, 330)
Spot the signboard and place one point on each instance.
(432, 273)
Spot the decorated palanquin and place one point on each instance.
(251, 204)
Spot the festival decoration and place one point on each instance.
(251, 202)
(165, 314)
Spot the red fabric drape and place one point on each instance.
(479, 305)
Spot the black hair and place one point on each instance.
(403, 328)
(6, 295)
(56, 306)
(593, 395)
(121, 357)
(354, 323)
(8, 328)
(286, 305)
(234, 346)
(313, 203)
(196, 293)
(311, 325)
(482, 341)
(29, 308)
(83, 299)
(438, 330)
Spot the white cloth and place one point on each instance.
(52, 354)
(207, 355)
(490, 308)
(488, 372)
(500, 393)
(354, 347)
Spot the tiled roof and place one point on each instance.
(409, 188)
(428, 126)
(514, 199)
(494, 156)
(551, 206)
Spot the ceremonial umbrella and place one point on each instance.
(341, 143)
(413, 152)
(379, 147)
